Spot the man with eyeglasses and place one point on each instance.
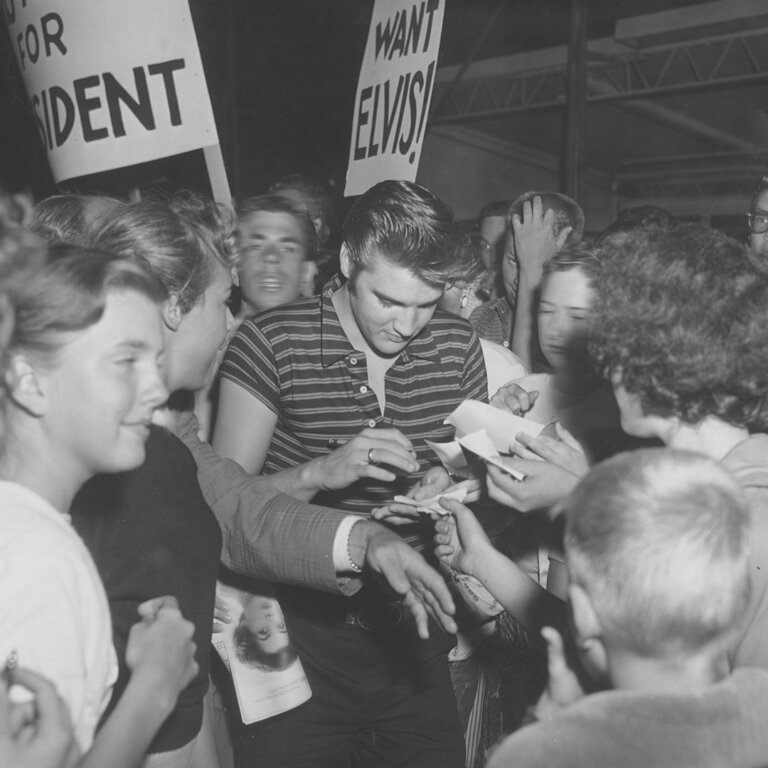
(493, 231)
(757, 218)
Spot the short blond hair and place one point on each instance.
(659, 540)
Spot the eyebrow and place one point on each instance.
(567, 306)
(390, 300)
(288, 239)
(132, 344)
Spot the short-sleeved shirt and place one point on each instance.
(712, 726)
(53, 610)
(748, 463)
(493, 321)
(151, 533)
(297, 360)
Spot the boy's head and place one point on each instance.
(277, 246)
(492, 225)
(656, 546)
(314, 197)
(567, 214)
(566, 210)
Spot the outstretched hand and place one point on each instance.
(563, 454)
(460, 540)
(434, 482)
(513, 398)
(544, 485)
(406, 572)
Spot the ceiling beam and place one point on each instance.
(680, 121)
(729, 60)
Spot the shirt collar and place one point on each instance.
(334, 344)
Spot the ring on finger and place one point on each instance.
(370, 456)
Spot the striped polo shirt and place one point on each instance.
(297, 360)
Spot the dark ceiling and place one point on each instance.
(282, 77)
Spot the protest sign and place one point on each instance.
(111, 83)
(393, 92)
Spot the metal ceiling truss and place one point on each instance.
(650, 190)
(728, 60)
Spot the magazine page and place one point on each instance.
(265, 666)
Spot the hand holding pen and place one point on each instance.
(382, 454)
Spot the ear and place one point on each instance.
(561, 237)
(345, 261)
(586, 624)
(588, 631)
(172, 314)
(6, 321)
(26, 386)
(307, 278)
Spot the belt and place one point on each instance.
(370, 609)
(377, 617)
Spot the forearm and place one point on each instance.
(286, 541)
(523, 322)
(520, 595)
(125, 737)
(302, 482)
(266, 533)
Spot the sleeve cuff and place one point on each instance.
(341, 560)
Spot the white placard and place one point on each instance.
(112, 82)
(393, 92)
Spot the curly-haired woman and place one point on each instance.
(680, 328)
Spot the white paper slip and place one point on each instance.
(501, 426)
(480, 444)
(506, 469)
(450, 454)
(431, 505)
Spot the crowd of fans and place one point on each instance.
(196, 394)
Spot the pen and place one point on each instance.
(333, 443)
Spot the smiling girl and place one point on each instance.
(81, 374)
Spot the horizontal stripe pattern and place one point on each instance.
(297, 360)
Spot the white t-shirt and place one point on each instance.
(53, 610)
(501, 365)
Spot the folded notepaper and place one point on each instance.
(480, 444)
(501, 426)
(431, 505)
(498, 428)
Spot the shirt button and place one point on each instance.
(372, 423)
(353, 361)
(505, 343)
(363, 389)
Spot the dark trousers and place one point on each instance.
(379, 699)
